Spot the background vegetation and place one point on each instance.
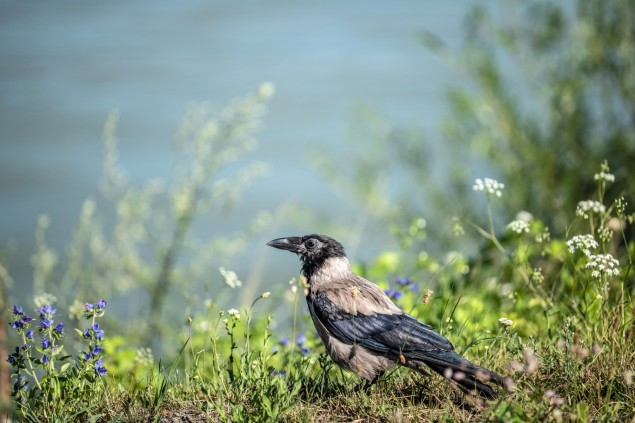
(550, 108)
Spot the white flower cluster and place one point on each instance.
(537, 276)
(600, 264)
(604, 176)
(505, 321)
(584, 207)
(231, 278)
(603, 264)
(144, 357)
(489, 186)
(266, 90)
(43, 299)
(584, 243)
(521, 223)
(518, 226)
(234, 313)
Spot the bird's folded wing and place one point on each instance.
(394, 334)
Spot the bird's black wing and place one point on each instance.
(403, 338)
(392, 334)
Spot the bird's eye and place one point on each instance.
(311, 243)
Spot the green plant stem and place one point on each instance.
(164, 280)
(490, 217)
(489, 236)
(37, 381)
(295, 311)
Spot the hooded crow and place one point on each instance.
(364, 331)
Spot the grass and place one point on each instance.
(553, 314)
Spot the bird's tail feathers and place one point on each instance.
(470, 376)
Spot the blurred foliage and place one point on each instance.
(551, 92)
(148, 250)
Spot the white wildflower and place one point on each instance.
(584, 207)
(518, 226)
(537, 276)
(235, 314)
(505, 321)
(266, 294)
(230, 277)
(521, 223)
(76, 310)
(603, 264)
(603, 176)
(266, 90)
(44, 299)
(457, 229)
(584, 243)
(144, 357)
(489, 186)
(620, 207)
(525, 216)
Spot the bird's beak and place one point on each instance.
(290, 244)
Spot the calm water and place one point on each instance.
(65, 65)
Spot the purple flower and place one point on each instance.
(99, 367)
(98, 349)
(300, 339)
(59, 328)
(285, 341)
(45, 323)
(403, 281)
(98, 333)
(304, 350)
(102, 304)
(86, 356)
(89, 306)
(11, 359)
(47, 310)
(393, 293)
(29, 335)
(20, 320)
(407, 282)
(45, 359)
(46, 343)
(276, 372)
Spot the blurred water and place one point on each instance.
(64, 65)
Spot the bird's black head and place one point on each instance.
(313, 250)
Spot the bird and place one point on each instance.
(364, 331)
